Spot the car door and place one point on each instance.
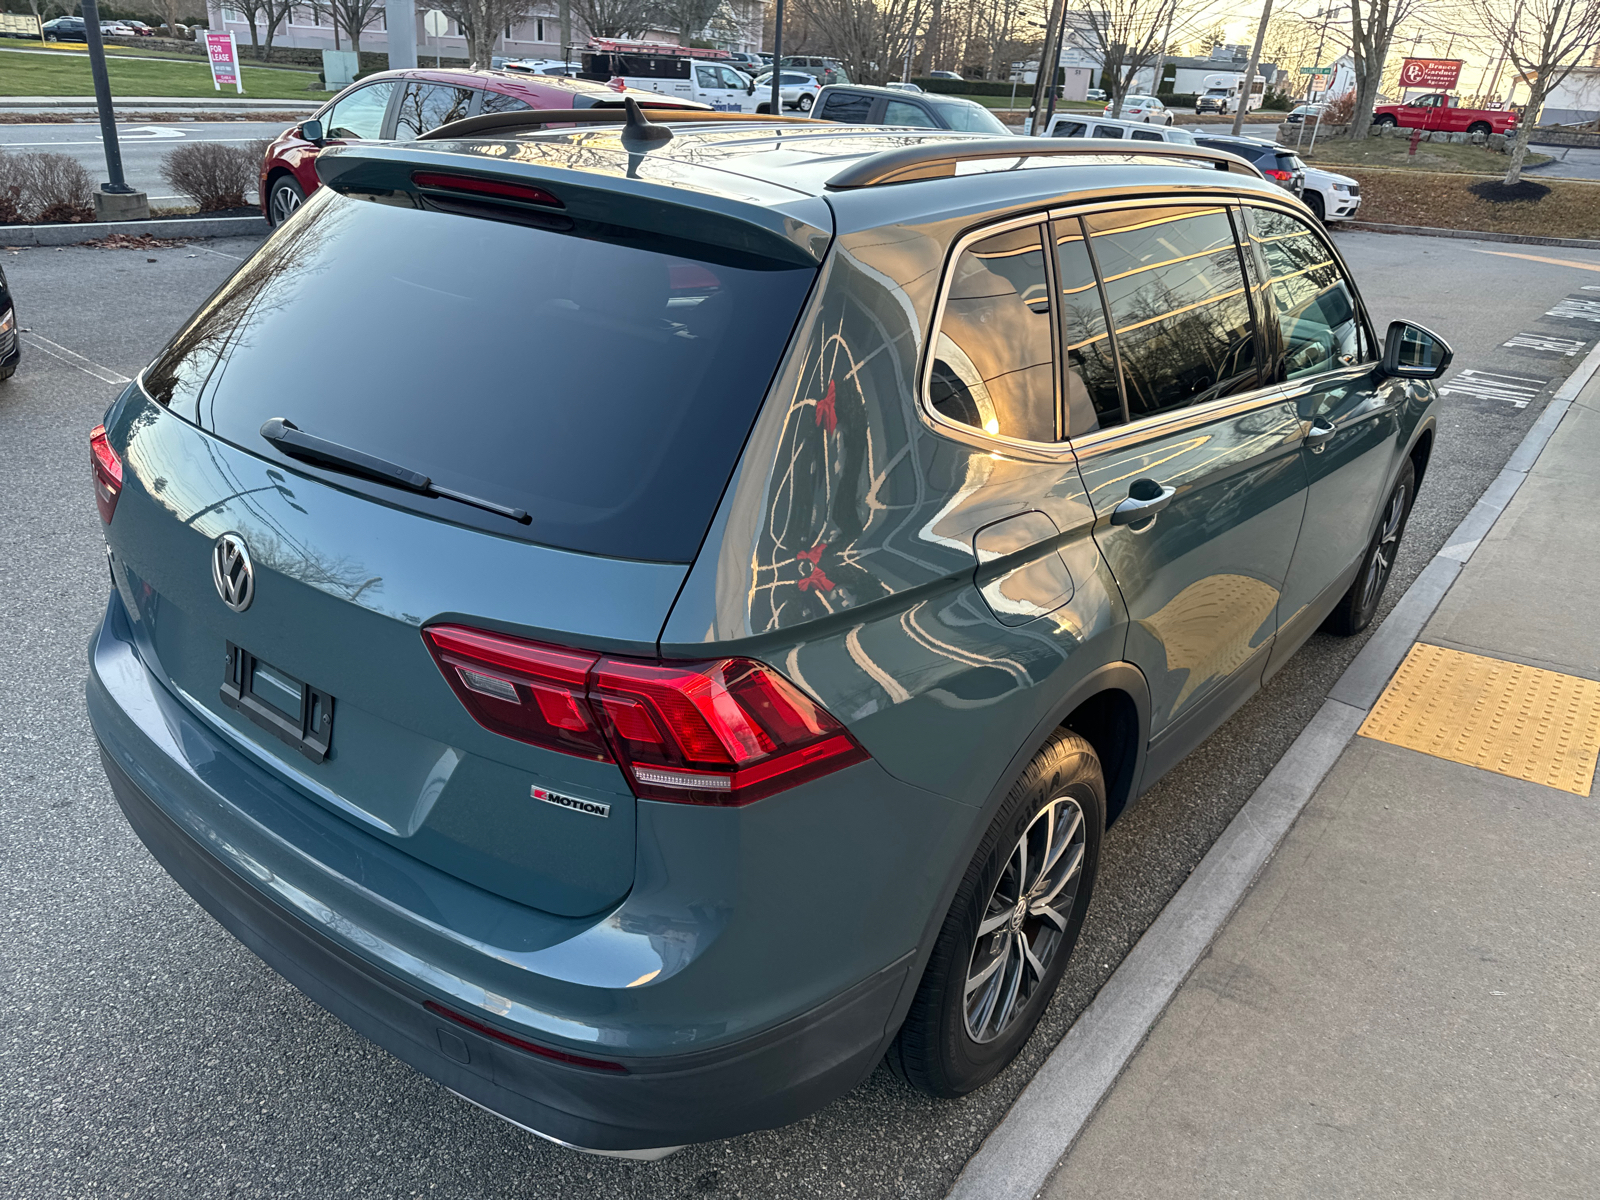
(1323, 350)
(1192, 457)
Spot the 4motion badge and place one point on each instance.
(572, 802)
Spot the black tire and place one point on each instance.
(1480, 127)
(1314, 203)
(1384, 120)
(1360, 604)
(284, 195)
(7, 370)
(805, 102)
(937, 1050)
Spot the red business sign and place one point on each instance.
(1439, 73)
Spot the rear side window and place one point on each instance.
(427, 106)
(899, 112)
(992, 367)
(1069, 129)
(847, 106)
(1175, 286)
(1146, 135)
(359, 116)
(499, 102)
(605, 388)
(1315, 304)
(1108, 131)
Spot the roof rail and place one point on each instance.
(938, 159)
(538, 118)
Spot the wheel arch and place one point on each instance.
(1421, 451)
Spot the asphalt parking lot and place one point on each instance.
(149, 1054)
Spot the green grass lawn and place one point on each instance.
(1430, 156)
(1024, 94)
(38, 75)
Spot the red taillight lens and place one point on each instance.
(107, 468)
(498, 188)
(511, 1039)
(1280, 176)
(726, 731)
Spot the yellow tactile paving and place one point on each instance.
(1501, 716)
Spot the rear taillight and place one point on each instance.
(499, 189)
(722, 731)
(107, 468)
(1279, 176)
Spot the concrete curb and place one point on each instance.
(89, 231)
(1472, 235)
(1020, 1154)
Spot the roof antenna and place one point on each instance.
(639, 127)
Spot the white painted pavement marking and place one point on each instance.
(1577, 308)
(1517, 390)
(72, 358)
(1546, 344)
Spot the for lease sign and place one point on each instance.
(224, 55)
(1439, 74)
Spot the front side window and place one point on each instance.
(1315, 304)
(731, 78)
(993, 368)
(706, 77)
(427, 106)
(900, 113)
(359, 116)
(1175, 286)
(968, 117)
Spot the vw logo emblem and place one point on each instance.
(232, 573)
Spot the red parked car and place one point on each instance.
(399, 105)
(1437, 110)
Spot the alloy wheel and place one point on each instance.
(1025, 921)
(284, 201)
(1383, 555)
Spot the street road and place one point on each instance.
(143, 146)
(148, 1054)
(1574, 162)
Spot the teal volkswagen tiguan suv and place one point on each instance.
(644, 621)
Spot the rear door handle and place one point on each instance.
(1317, 436)
(1145, 499)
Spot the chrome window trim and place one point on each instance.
(1120, 437)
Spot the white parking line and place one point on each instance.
(73, 359)
(1518, 390)
(1576, 308)
(1546, 344)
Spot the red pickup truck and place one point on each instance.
(1437, 110)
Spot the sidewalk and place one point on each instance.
(1407, 1002)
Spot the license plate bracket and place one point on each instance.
(291, 709)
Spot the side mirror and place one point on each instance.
(312, 131)
(1412, 352)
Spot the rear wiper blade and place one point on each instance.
(293, 441)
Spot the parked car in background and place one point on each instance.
(827, 70)
(903, 86)
(1330, 196)
(140, 28)
(1303, 113)
(538, 66)
(682, 72)
(66, 29)
(858, 104)
(1096, 94)
(1079, 125)
(1278, 163)
(795, 88)
(10, 342)
(750, 64)
(650, 670)
(401, 105)
(944, 75)
(116, 29)
(1141, 108)
(1440, 111)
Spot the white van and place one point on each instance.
(1220, 93)
(1078, 124)
(683, 72)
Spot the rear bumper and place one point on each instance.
(164, 768)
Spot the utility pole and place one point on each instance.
(114, 200)
(1250, 72)
(776, 108)
(1161, 59)
(1044, 82)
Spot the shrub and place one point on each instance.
(1339, 111)
(211, 174)
(44, 188)
(1279, 102)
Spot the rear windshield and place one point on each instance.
(605, 389)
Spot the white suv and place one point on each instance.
(1081, 125)
(1330, 196)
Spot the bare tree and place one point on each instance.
(1545, 40)
(354, 17)
(688, 17)
(613, 18)
(868, 36)
(1126, 35)
(482, 22)
(1372, 27)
